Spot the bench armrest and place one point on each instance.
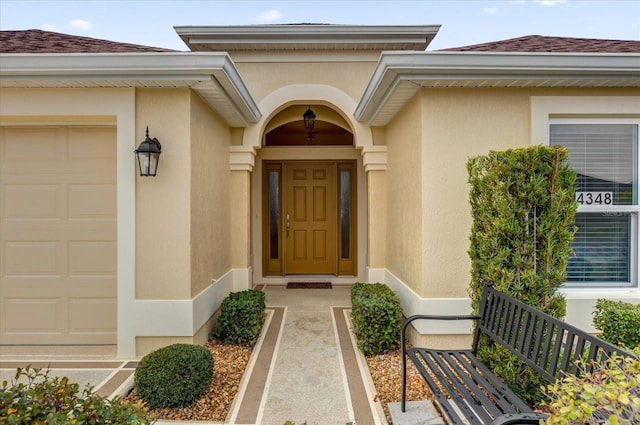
(431, 317)
(404, 347)
(520, 419)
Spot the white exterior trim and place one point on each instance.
(412, 304)
(212, 75)
(400, 75)
(173, 317)
(242, 158)
(547, 108)
(307, 37)
(543, 108)
(580, 305)
(121, 104)
(374, 158)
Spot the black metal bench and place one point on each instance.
(466, 390)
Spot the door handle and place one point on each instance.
(287, 225)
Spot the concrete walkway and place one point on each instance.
(304, 369)
(309, 381)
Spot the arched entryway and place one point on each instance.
(309, 194)
(308, 198)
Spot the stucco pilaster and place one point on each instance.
(377, 218)
(374, 160)
(240, 219)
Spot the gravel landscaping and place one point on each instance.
(386, 371)
(230, 362)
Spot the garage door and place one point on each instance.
(58, 235)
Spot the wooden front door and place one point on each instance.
(310, 218)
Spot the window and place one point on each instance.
(605, 156)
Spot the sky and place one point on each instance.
(462, 23)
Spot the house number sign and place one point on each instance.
(594, 198)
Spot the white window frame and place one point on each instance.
(633, 209)
(546, 110)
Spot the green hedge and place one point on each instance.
(523, 208)
(619, 322)
(174, 376)
(36, 398)
(377, 317)
(241, 317)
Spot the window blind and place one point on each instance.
(602, 248)
(603, 157)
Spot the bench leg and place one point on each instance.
(404, 380)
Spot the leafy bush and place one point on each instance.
(523, 209)
(241, 317)
(174, 376)
(377, 317)
(53, 400)
(608, 395)
(619, 322)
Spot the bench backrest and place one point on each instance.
(548, 345)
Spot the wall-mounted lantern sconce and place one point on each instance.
(309, 123)
(148, 154)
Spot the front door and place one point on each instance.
(310, 218)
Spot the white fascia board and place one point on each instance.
(195, 70)
(296, 30)
(307, 35)
(501, 67)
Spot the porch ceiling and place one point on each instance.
(212, 75)
(400, 75)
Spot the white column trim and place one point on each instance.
(242, 158)
(374, 158)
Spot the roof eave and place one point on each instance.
(212, 75)
(399, 75)
(307, 36)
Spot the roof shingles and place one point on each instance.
(544, 44)
(38, 41)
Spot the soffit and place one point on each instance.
(307, 37)
(400, 75)
(212, 75)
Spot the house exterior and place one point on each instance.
(245, 195)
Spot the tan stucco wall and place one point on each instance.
(210, 196)
(459, 124)
(163, 208)
(404, 195)
(430, 141)
(264, 78)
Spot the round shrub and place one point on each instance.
(174, 376)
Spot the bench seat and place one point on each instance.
(465, 388)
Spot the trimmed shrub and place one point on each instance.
(241, 317)
(523, 208)
(54, 400)
(377, 317)
(619, 322)
(174, 376)
(608, 395)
